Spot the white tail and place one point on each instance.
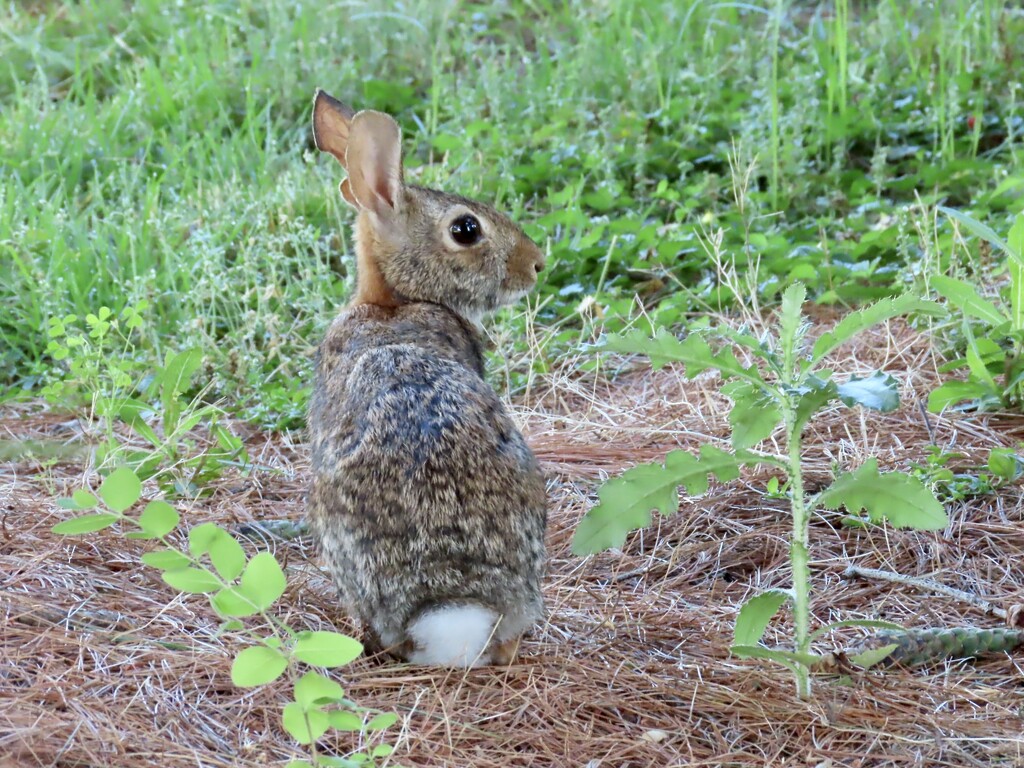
(452, 635)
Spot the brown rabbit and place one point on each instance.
(429, 507)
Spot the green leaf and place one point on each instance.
(86, 524)
(121, 489)
(230, 602)
(862, 319)
(257, 665)
(227, 556)
(901, 499)
(789, 322)
(202, 536)
(381, 750)
(626, 501)
(754, 415)
(314, 689)
(872, 656)
(975, 360)
(879, 392)
(158, 519)
(816, 393)
(755, 615)
(966, 298)
(979, 229)
(1016, 270)
(342, 720)
(263, 581)
(166, 559)
(787, 658)
(299, 764)
(326, 649)
(871, 623)
(83, 499)
(953, 392)
(1004, 464)
(693, 352)
(196, 581)
(305, 726)
(382, 721)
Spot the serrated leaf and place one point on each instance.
(789, 322)
(305, 726)
(754, 415)
(871, 623)
(693, 352)
(872, 656)
(85, 524)
(120, 489)
(326, 649)
(626, 501)
(196, 581)
(899, 498)
(263, 581)
(257, 665)
(230, 602)
(966, 298)
(755, 615)
(862, 319)
(817, 393)
(159, 518)
(314, 689)
(879, 392)
(382, 721)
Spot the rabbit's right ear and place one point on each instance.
(374, 163)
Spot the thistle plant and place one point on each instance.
(785, 385)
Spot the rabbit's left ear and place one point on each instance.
(374, 163)
(331, 123)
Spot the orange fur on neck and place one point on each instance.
(371, 288)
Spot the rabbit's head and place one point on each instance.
(416, 244)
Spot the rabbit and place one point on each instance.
(429, 508)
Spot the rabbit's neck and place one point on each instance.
(371, 287)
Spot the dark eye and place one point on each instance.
(466, 230)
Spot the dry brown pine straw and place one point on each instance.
(632, 668)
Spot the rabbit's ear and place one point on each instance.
(374, 163)
(331, 123)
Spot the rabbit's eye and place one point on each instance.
(465, 230)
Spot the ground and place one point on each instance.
(104, 664)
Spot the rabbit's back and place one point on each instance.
(424, 491)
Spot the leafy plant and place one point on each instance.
(786, 386)
(1004, 466)
(102, 370)
(993, 333)
(239, 588)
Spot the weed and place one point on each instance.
(792, 387)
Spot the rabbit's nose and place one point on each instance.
(538, 266)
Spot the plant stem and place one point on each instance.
(798, 549)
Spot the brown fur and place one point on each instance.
(424, 493)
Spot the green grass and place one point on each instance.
(164, 154)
